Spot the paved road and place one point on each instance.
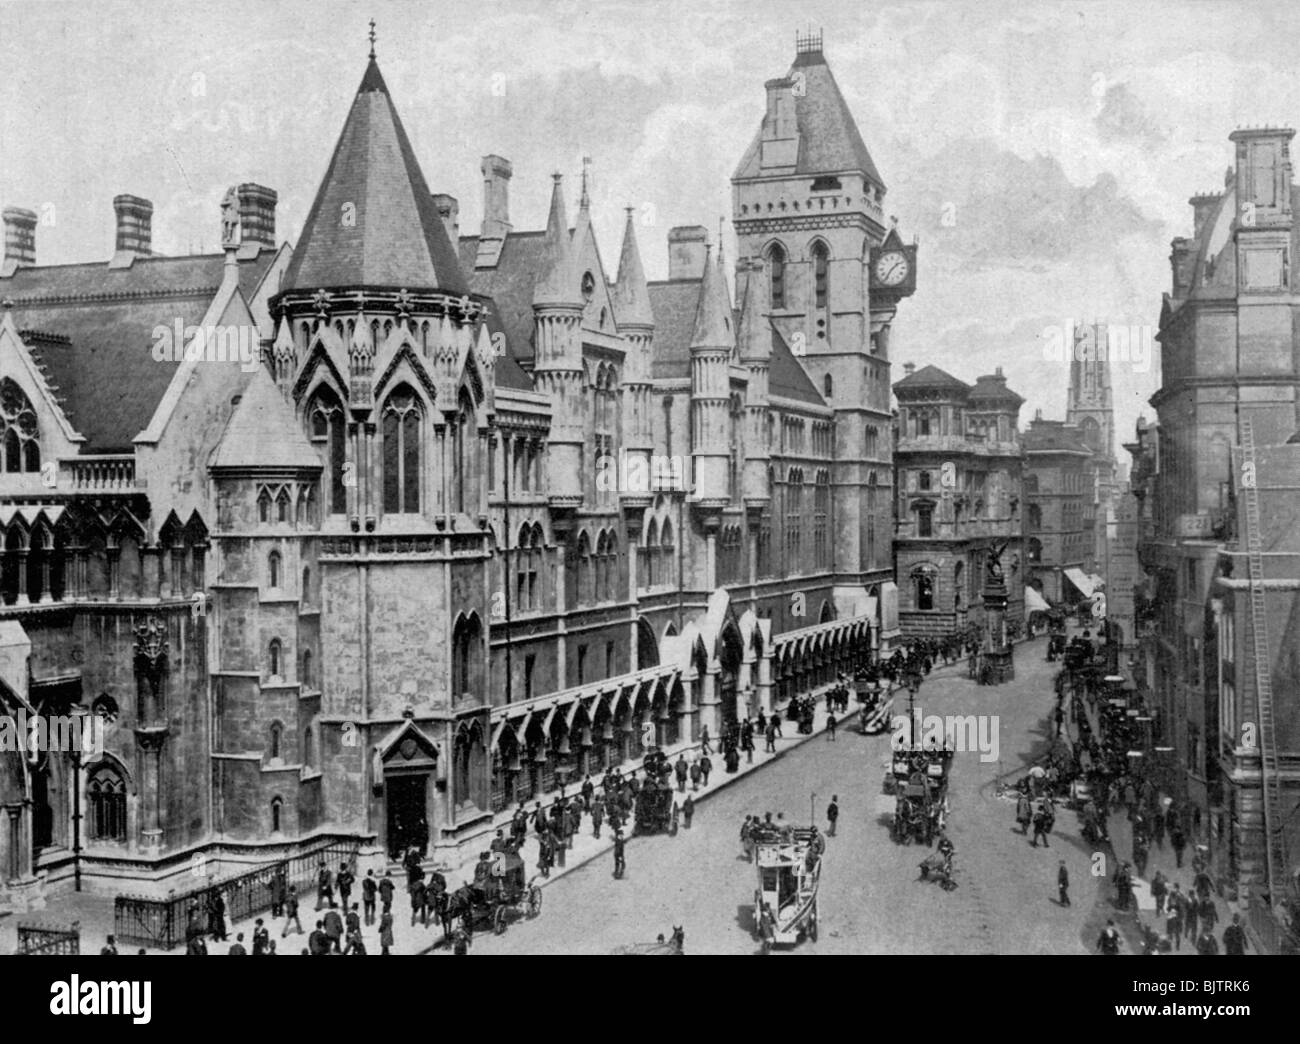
(871, 899)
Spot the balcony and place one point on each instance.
(103, 473)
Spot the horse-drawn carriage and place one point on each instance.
(919, 782)
(653, 813)
(499, 894)
(876, 703)
(789, 869)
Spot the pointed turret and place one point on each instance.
(555, 282)
(631, 295)
(753, 331)
(713, 311)
(374, 221)
(712, 345)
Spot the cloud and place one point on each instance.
(1123, 116)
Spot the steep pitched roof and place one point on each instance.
(263, 431)
(510, 285)
(829, 139)
(713, 310)
(673, 303)
(786, 377)
(555, 283)
(104, 370)
(394, 237)
(931, 377)
(992, 388)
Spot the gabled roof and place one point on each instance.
(673, 302)
(105, 371)
(992, 388)
(1052, 436)
(931, 377)
(263, 432)
(374, 222)
(829, 140)
(510, 285)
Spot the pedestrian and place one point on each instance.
(588, 789)
(352, 921)
(1159, 889)
(1174, 922)
(196, 947)
(1209, 914)
(544, 857)
(369, 891)
(1206, 944)
(620, 857)
(706, 766)
(1024, 812)
(1179, 840)
(237, 948)
(279, 886)
(109, 949)
(291, 912)
(1044, 821)
(1063, 884)
(833, 814)
(1108, 942)
(217, 915)
(334, 929)
(1140, 852)
(1191, 916)
(830, 727)
(770, 735)
(1234, 938)
(356, 945)
(695, 775)
(688, 810)
(597, 816)
(705, 744)
(385, 932)
(324, 887)
(386, 889)
(318, 943)
(417, 890)
(460, 943)
(344, 881)
(261, 939)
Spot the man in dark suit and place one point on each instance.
(620, 855)
(344, 881)
(318, 943)
(386, 889)
(334, 929)
(324, 887)
(369, 891)
(1063, 884)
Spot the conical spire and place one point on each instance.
(631, 295)
(713, 313)
(374, 222)
(753, 333)
(555, 282)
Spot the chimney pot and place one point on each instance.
(497, 172)
(687, 251)
(20, 237)
(909, 369)
(134, 228)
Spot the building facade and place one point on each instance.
(486, 517)
(958, 469)
(1057, 486)
(1225, 435)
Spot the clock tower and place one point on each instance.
(808, 207)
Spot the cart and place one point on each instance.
(497, 899)
(789, 869)
(654, 809)
(877, 703)
(919, 782)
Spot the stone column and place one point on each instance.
(21, 554)
(765, 682)
(151, 739)
(709, 699)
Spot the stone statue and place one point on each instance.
(230, 219)
(995, 561)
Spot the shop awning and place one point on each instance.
(1034, 602)
(1082, 582)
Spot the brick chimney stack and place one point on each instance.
(20, 238)
(497, 172)
(687, 248)
(134, 230)
(256, 218)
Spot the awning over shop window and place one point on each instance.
(1082, 582)
(1034, 602)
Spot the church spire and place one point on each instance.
(713, 313)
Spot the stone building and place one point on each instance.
(958, 469)
(1057, 485)
(486, 517)
(1217, 633)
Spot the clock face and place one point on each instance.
(891, 268)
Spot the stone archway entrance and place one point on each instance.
(731, 653)
(408, 764)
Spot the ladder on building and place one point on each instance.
(1274, 848)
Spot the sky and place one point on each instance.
(1042, 153)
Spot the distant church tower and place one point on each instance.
(807, 206)
(1089, 408)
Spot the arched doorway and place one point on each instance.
(647, 649)
(731, 651)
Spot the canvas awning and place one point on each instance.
(1082, 582)
(1034, 602)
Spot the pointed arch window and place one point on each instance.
(327, 425)
(308, 678)
(274, 654)
(283, 507)
(277, 807)
(466, 645)
(776, 274)
(107, 793)
(585, 585)
(821, 274)
(464, 458)
(403, 420)
(666, 551)
(923, 588)
(652, 554)
(20, 442)
(274, 565)
(276, 740)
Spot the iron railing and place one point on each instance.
(49, 939)
(160, 923)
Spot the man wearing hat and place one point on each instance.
(620, 858)
(1063, 883)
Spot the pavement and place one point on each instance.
(94, 914)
